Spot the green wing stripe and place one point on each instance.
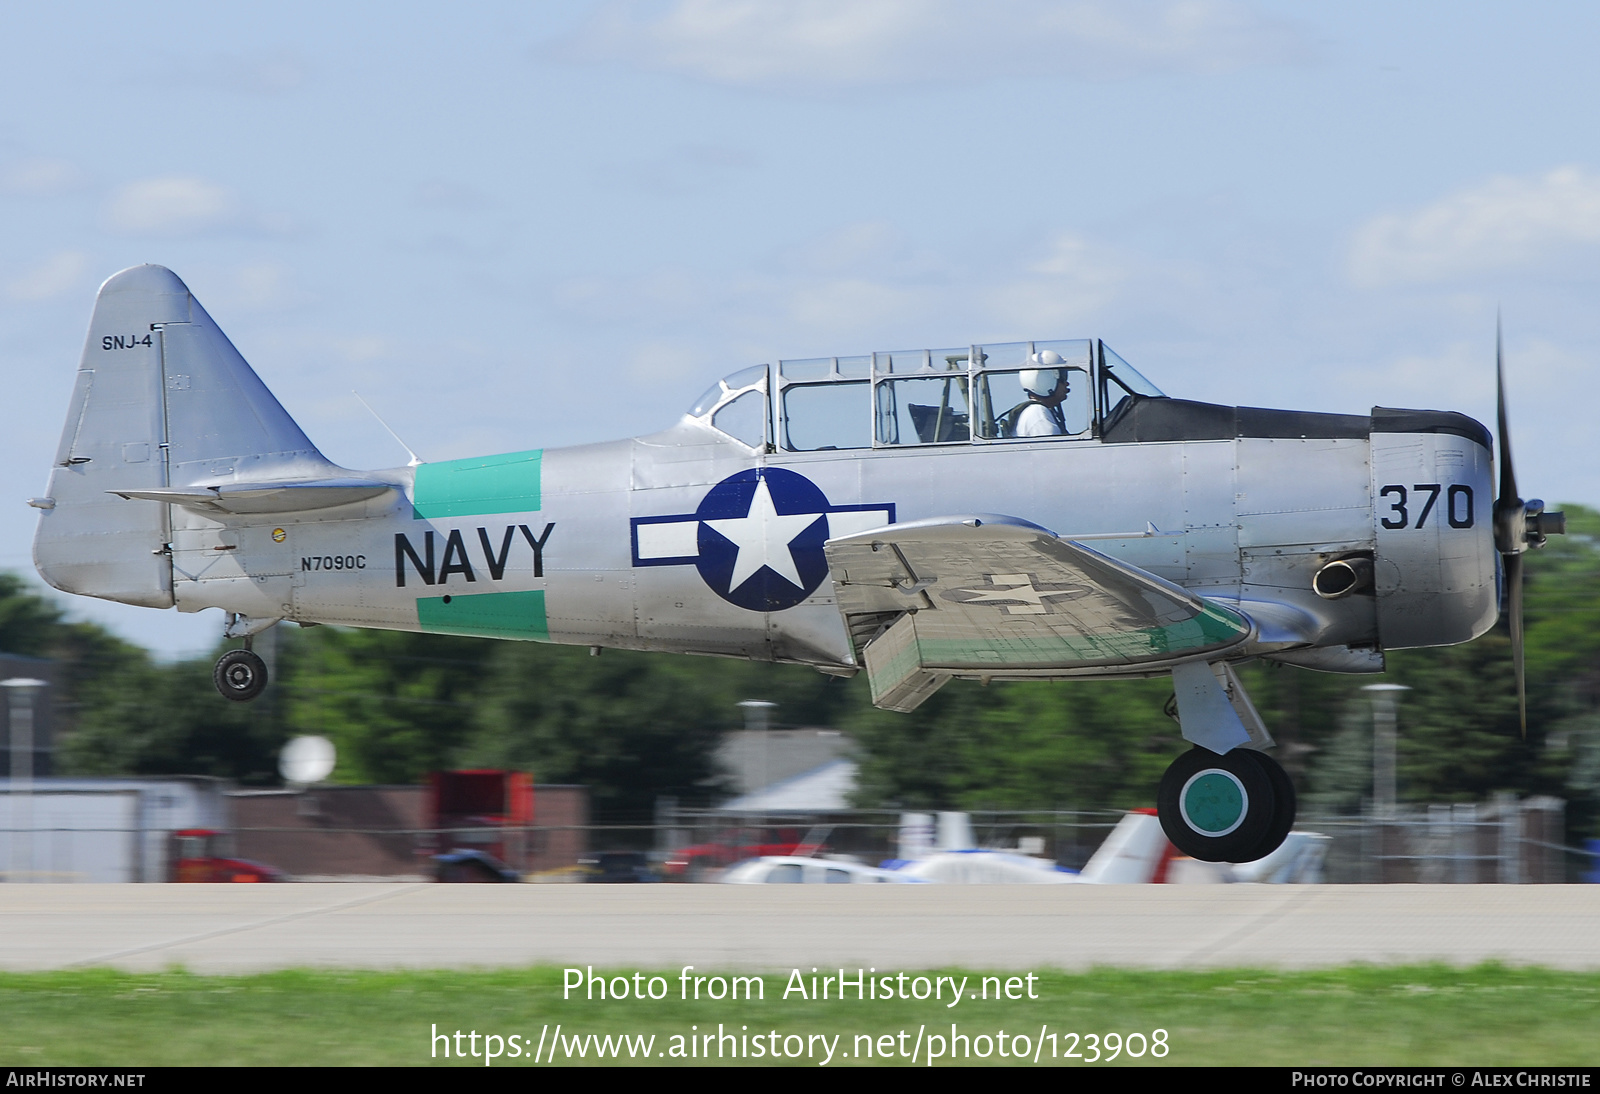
(486, 615)
(1212, 628)
(487, 484)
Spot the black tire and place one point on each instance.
(1216, 808)
(240, 675)
(1284, 806)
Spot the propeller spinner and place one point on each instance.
(1519, 526)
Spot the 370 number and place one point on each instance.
(1458, 509)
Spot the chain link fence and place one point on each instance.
(1506, 841)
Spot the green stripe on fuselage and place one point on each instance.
(507, 483)
(486, 615)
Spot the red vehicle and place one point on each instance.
(488, 812)
(206, 855)
(735, 845)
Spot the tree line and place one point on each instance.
(633, 726)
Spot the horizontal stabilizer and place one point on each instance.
(265, 497)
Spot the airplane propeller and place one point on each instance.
(1519, 526)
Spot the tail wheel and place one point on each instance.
(1218, 808)
(240, 675)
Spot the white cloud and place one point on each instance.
(654, 360)
(866, 278)
(662, 294)
(173, 206)
(264, 285)
(250, 287)
(41, 177)
(1463, 369)
(855, 279)
(1502, 224)
(848, 305)
(1540, 373)
(829, 44)
(873, 244)
(863, 286)
(1070, 283)
(58, 274)
(183, 205)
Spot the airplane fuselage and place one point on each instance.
(1026, 510)
(180, 480)
(657, 543)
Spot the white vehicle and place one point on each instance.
(793, 870)
(989, 868)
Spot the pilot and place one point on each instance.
(1046, 388)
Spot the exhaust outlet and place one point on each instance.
(1342, 577)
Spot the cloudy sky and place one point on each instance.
(531, 225)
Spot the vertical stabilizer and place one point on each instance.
(162, 401)
(1132, 854)
(223, 424)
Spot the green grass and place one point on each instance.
(1359, 1015)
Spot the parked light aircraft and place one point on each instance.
(1135, 852)
(1029, 510)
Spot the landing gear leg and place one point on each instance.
(240, 675)
(1235, 807)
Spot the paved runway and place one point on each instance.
(238, 928)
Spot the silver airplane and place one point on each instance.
(1020, 511)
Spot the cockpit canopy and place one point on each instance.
(966, 395)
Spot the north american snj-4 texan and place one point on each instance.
(1023, 511)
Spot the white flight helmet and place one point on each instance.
(1041, 381)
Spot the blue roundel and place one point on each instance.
(760, 538)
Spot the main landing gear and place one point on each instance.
(240, 675)
(1235, 807)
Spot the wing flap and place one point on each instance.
(996, 596)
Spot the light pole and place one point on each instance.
(756, 715)
(1385, 700)
(20, 694)
(757, 712)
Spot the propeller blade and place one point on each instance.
(1508, 477)
(1514, 610)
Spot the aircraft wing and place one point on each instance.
(995, 596)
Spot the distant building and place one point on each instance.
(120, 829)
(824, 789)
(101, 830)
(788, 770)
(377, 832)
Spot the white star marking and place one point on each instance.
(1032, 598)
(763, 537)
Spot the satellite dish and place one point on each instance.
(306, 760)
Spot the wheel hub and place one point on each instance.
(1213, 802)
(239, 675)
